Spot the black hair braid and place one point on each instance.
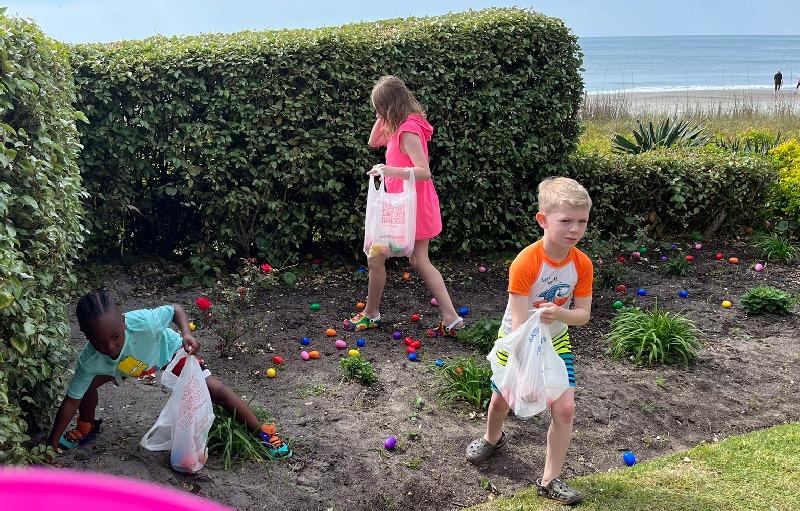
(95, 304)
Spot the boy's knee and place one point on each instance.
(563, 411)
(376, 262)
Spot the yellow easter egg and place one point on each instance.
(354, 353)
(271, 372)
(192, 326)
(726, 304)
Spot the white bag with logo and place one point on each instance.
(186, 419)
(526, 368)
(390, 224)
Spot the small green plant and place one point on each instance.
(668, 133)
(358, 369)
(653, 337)
(767, 300)
(468, 381)
(608, 274)
(676, 265)
(232, 440)
(481, 334)
(751, 142)
(776, 247)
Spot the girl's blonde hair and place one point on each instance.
(555, 192)
(392, 100)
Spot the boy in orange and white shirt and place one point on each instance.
(554, 275)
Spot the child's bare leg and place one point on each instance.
(377, 281)
(233, 404)
(562, 413)
(498, 411)
(90, 399)
(433, 280)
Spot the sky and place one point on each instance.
(78, 21)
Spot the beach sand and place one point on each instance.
(704, 102)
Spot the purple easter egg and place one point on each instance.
(390, 443)
(397, 335)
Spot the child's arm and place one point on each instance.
(180, 318)
(519, 309)
(577, 316)
(411, 144)
(63, 417)
(376, 135)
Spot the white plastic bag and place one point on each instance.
(390, 224)
(526, 368)
(186, 419)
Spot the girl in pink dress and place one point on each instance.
(401, 126)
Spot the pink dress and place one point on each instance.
(429, 217)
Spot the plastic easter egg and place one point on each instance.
(415, 318)
(621, 289)
(406, 276)
(459, 371)
(674, 246)
(643, 250)
(641, 291)
(305, 341)
(412, 356)
(726, 304)
(304, 355)
(361, 343)
(277, 359)
(698, 246)
(313, 354)
(192, 326)
(360, 305)
(758, 267)
(408, 341)
(663, 259)
(689, 258)
(463, 311)
(315, 307)
(434, 303)
(330, 332)
(410, 349)
(482, 269)
(271, 372)
(390, 443)
(718, 256)
(439, 362)
(618, 304)
(416, 345)
(733, 260)
(361, 269)
(621, 260)
(683, 293)
(636, 255)
(354, 353)
(340, 344)
(397, 335)
(629, 458)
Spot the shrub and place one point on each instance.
(669, 133)
(786, 190)
(358, 369)
(776, 247)
(481, 334)
(224, 312)
(653, 337)
(250, 144)
(467, 380)
(40, 231)
(767, 300)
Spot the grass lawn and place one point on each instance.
(757, 471)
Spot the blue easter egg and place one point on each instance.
(439, 362)
(361, 269)
(305, 341)
(412, 356)
(629, 458)
(683, 293)
(641, 291)
(463, 311)
(361, 343)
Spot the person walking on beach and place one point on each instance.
(778, 81)
(798, 84)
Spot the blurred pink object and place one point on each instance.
(40, 489)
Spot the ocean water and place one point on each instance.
(662, 63)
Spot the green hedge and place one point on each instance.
(254, 144)
(40, 230)
(672, 190)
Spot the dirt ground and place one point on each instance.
(747, 378)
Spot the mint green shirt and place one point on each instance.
(149, 342)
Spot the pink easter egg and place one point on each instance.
(304, 355)
(340, 344)
(434, 303)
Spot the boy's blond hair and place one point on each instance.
(562, 191)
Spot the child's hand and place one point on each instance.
(190, 344)
(551, 312)
(376, 170)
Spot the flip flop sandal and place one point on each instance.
(481, 450)
(361, 322)
(448, 331)
(74, 438)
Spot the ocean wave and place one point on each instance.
(688, 88)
